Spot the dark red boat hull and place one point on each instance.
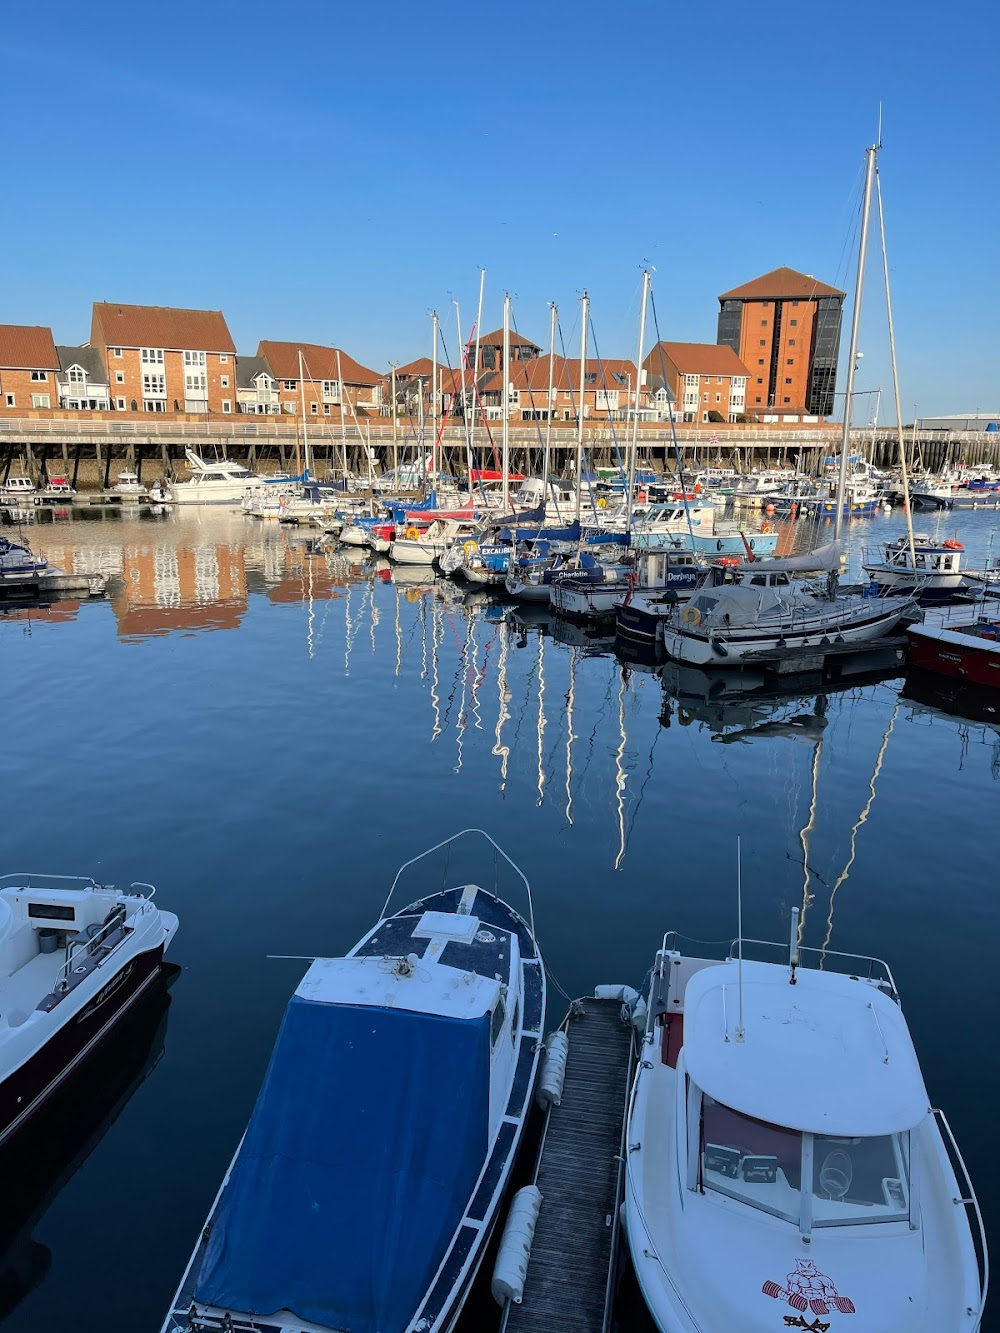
(28, 1087)
(972, 662)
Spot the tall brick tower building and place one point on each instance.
(785, 328)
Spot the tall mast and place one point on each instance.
(462, 360)
(546, 461)
(470, 438)
(434, 393)
(505, 389)
(302, 400)
(584, 318)
(634, 451)
(852, 360)
(895, 378)
(343, 423)
(395, 426)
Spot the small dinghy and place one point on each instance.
(368, 1182)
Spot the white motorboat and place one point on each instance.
(742, 610)
(129, 487)
(56, 491)
(784, 1167)
(368, 1182)
(220, 482)
(74, 956)
(655, 572)
(18, 491)
(424, 548)
(17, 558)
(933, 571)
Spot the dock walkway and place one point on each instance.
(578, 1172)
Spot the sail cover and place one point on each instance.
(361, 1155)
(823, 559)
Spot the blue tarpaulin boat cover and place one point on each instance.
(361, 1155)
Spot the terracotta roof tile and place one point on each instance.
(495, 339)
(319, 363)
(160, 326)
(697, 359)
(781, 284)
(26, 347)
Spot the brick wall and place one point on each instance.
(22, 386)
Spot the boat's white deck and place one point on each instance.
(22, 991)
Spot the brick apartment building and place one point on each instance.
(608, 390)
(709, 382)
(29, 365)
(82, 381)
(785, 328)
(164, 360)
(328, 377)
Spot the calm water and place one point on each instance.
(266, 734)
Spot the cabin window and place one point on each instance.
(51, 912)
(496, 1021)
(851, 1180)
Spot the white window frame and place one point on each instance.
(154, 385)
(41, 400)
(119, 377)
(76, 375)
(224, 382)
(116, 352)
(194, 359)
(10, 400)
(223, 358)
(227, 406)
(151, 356)
(39, 377)
(121, 405)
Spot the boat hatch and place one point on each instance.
(850, 1181)
(447, 924)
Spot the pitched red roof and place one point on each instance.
(697, 359)
(495, 339)
(533, 376)
(319, 363)
(781, 284)
(27, 347)
(159, 326)
(423, 367)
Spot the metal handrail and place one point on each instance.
(28, 879)
(89, 945)
(983, 1254)
(446, 843)
(871, 961)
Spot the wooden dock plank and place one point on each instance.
(577, 1173)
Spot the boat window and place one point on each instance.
(51, 912)
(861, 1180)
(759, 579)
(751, 1160)
(496, 1021)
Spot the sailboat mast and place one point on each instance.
(584, 318)
(302, 400)
(895, 379)
(343, 423)
(634, 450)
(470, 439)
(546, 461)
(505, 389)
(434, 393)
(852, 360)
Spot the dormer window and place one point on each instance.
(76, 375)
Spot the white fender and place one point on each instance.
(553, 1072)
(624, 993)
(515, 1246)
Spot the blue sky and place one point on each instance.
(332, 173)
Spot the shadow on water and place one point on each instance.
(45, 1155)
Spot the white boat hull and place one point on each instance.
(730, 649)
(407, 552)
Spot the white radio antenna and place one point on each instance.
(740, 1030)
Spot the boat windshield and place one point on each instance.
(853, 1180)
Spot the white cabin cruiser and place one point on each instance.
(740, 610)
(785, 1168)
(424, 548)
(220, 482)
(18, 490)
(74, 956)
(933, 570)
(129, 487)
(367, 1185)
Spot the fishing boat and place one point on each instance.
(75, 955)
(220, 482)
(931, 570)
(654, 573)
(784, 1165)
(369, 1179)
(739, 612)
(962, 643)
(56, 491)
(418, 547)
(129, 487)
(18, 491)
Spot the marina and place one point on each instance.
(511, 713)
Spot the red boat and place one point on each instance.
(964, 646)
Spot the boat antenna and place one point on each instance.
(740, 1030)
(793, 947)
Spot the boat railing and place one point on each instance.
(447, 843)
(967, 1199)
(31, 880)
(875, 970)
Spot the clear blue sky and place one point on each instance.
(332, 172)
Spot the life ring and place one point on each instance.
(952, 545)
(691, 616)
(602, 502)
(642, 497)
(766, 529)
(470, 547)
(728, 562)
(412, 534)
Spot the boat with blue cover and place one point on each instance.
(365, 1190)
